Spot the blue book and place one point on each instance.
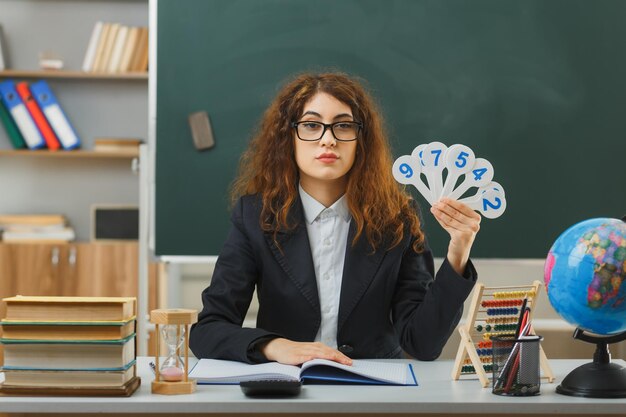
(56, 117)
(214, 371)
(22, 118)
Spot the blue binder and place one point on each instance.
(21, 116)
(56, 117)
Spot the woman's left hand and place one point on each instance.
(462, 223)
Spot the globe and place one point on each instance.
(585, 275)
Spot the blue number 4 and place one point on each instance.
(478, 173)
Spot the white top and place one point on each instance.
(328, 234)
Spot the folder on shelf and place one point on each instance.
(52, 110)
(22, 118)
(39, 118)
(9, 125)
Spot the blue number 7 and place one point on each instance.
(488, 204)
(436, 152)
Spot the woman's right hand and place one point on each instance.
(295, 353)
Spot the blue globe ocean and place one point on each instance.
(585, 275)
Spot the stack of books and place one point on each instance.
(33, 118)
(127, 146)
(69, 346)
(35, 228)
(115, 48)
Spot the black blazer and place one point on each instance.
(389, 301)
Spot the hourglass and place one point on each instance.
(172, 326)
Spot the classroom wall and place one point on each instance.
(557, 343)
(102, 108)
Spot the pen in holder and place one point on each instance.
(516, 369)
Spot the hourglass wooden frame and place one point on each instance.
(470, 352)
(178, 317)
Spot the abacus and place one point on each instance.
(494, 311)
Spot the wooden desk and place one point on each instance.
(436, 394)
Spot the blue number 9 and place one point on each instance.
(406, 170)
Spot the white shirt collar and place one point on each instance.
(313, 208)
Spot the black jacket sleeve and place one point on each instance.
(218, 333)
(426, 311)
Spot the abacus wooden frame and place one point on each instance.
(467, 346)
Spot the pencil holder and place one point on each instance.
(516, 369)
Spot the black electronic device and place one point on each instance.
(271, 388)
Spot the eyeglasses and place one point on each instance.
(342, 131)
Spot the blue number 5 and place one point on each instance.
(488, 204)
(462, 160)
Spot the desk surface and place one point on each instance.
(436, 393)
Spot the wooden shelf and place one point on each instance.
(70, 154)
(76, 75)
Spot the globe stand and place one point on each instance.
(600, 378)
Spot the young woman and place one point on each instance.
(331, 242)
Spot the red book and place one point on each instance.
(40, 120)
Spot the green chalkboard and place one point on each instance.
(536, 87)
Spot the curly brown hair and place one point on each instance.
(379, 206)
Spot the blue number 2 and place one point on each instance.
(478, 173)
(462, 160)
(488, 204)
(406, 170)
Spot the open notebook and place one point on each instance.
(213, 371)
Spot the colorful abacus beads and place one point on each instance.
(505, 327)
(501, 320)
(501, 303)
(514, 294)
(487, 327)
(502, 311)
(483, 344)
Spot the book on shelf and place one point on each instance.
(3, 54)
(141, 52)
(102, 38)
(30, 220)
(108, 47)
(52, 378)
(61, 330)
(129, 49)
(45, 234)
(118, 49)
(92, 47)
(21, 116)
(214, 371)
(69, 355)
(52, 142)
(70, 309)
(16, 138)
(117, 145)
